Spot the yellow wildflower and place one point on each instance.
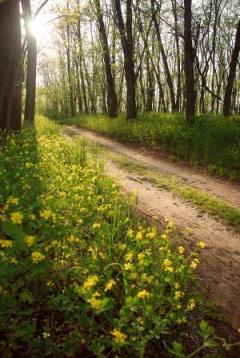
(17, 218)
(90, 282)
(96, 226)
(12, 200)
(188, 231)
(194, 264)
(29, 240)
(118, 336)
(109, 285)
(201, 245)
(37, 257)
(46, 214)
(152, 234)
(5, 244)
(128, 266)
(130, 233)
(96, 303)
(122, 247)
(181, 250)
(167, 263)
(139, 235)
(178, 294)
(144, 294)
(191, 305)
(129, 257)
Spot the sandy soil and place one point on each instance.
(220, 261)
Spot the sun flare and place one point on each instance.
(39, 28)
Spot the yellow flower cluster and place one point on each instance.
(37, 257)
(46, 214)
(17, 218)
(118, 336)
(95, 302)
(90, 282)
(168, 265)
(194, 264)
(5, 244)
(109, 285)
(29, 240)
(144, 294)
(201, 245)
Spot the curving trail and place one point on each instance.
(220, 261)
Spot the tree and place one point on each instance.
(189, 62)
(164, 57)
(232, 74)
(111, 92)
(10, 65)
(126, 35)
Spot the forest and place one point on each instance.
(120, 178)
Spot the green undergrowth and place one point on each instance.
(80, 275)
(212, 142)
(205, 202)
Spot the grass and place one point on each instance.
(203, 201)
(212, 142)
(80, 275)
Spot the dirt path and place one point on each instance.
(220, 268)
(220, 188)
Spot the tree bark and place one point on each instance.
(164, 58)
(189, 62)
(10, 65)
(232, 75)
(127, 45)
(69, 69)
(112, 100)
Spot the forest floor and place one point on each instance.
(170, 190)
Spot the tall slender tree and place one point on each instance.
(189, 62)
(126, 35)
(111, 92)
(232, 74)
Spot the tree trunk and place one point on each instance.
(127, 45)
(111, 92)
(189, 62)
(31, 63)
(232, 75)
(10, 65)
(164, 58)
(69, 69)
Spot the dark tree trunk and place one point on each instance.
(127, 45)
(232, 74)
(10, 65)
(189, 62)
(112, 100)
(31, 64)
